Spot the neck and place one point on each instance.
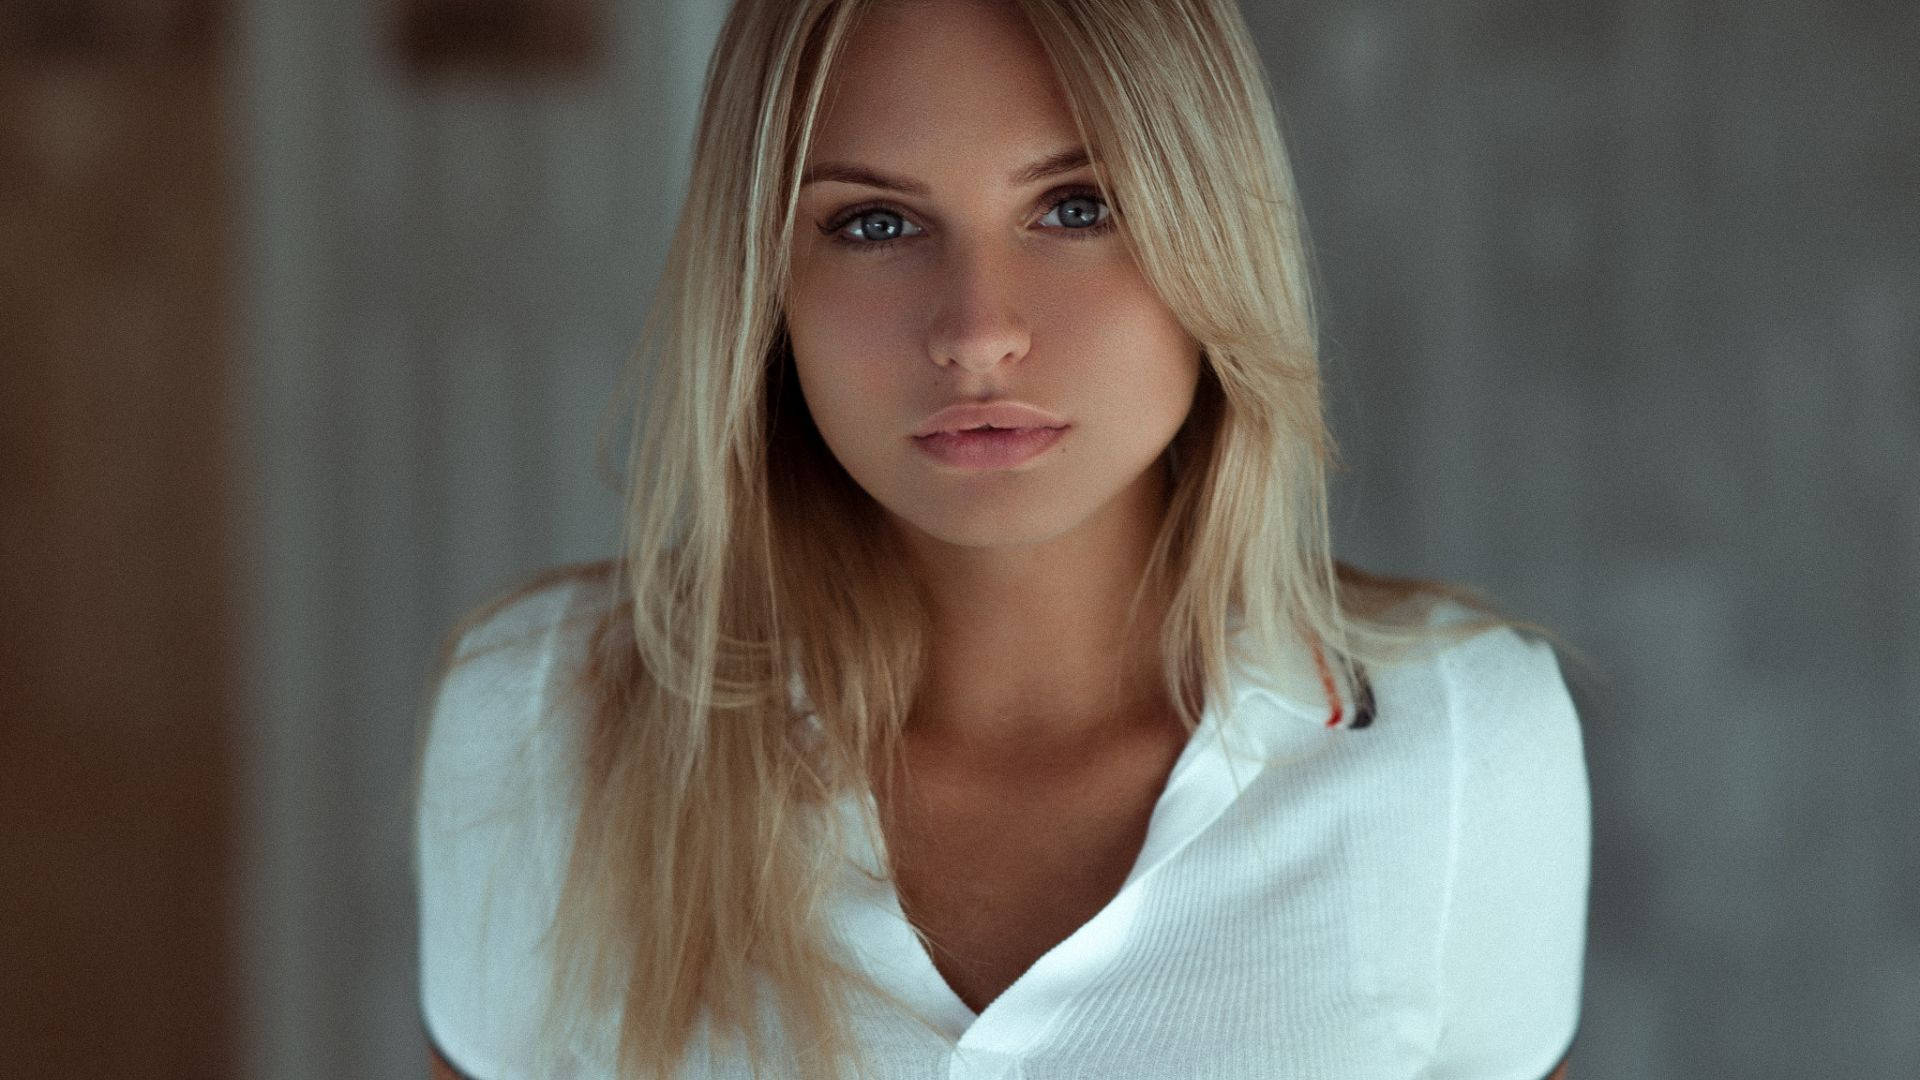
(1030, 647)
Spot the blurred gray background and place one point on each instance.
(1623, 326)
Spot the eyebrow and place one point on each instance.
(1063, 161)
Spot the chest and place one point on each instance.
(996, 872)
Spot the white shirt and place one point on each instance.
(1402, 900)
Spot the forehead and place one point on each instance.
(920, 76)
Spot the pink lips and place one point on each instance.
(967, 415)
(992, 448)
(988, 435)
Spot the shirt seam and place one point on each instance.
(548, 655)
(1450, 883)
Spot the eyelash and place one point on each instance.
(836, 231)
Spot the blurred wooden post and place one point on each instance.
(116, 744)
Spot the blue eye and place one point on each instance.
(1081, 213)
(877, 224)
(1088, 212)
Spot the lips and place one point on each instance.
(1000, 415)
(989, 447)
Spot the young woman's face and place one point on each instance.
(973, 285)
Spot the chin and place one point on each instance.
(983, 530)
(987, 522)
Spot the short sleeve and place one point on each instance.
(492, 829)
(1514, 939)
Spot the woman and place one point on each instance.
(976, 695)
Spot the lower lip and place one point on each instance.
(1000, 449)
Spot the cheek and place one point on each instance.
(1136, 365)
(845, 375)
(835, 312)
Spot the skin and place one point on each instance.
(989, 291)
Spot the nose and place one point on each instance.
(978, 324)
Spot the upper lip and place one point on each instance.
(1000, 414)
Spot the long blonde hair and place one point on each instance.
(702, 861)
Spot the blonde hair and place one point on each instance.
(702, 861)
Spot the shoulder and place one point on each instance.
(494, 815)
(500, 662)
(1519, 767)
(499, 739)
(1495, 680)
(500, 720)
(1514, 922)
(495, 712)
(1445, 651)
(1495, 696)
(528, 616)
(1482, 710)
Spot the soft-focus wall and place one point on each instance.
(444, 272)
(1623, 321)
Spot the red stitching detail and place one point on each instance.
(1326, 683)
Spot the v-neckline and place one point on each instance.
(1204, 781)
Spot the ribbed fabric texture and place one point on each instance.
(1398, 901)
